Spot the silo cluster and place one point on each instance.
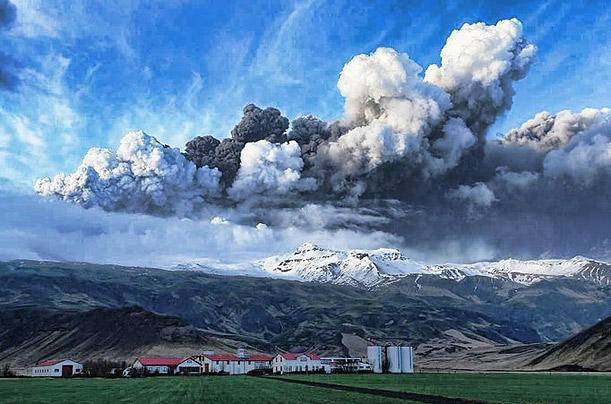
(392, 359)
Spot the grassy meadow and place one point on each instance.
(493, 387)
(166, 390)
(490, 387)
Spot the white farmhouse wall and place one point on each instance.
(300, 364)
(162, 370)
(55, 370)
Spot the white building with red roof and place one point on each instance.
(289, 362)
(57, 368)
(189, 366)
(233, 364)
(162, 365)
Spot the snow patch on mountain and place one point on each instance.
(372, 268)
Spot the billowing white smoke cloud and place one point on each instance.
(456, 139)
(548, 131)
(478, 194)
(141, 176)
(271, 169)
(428, 124)
(392, 108)
(479, 63)
(584, 160)
(574, 146)
(376, 85)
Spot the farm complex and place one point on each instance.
(379, 359)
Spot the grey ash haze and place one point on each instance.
(410, 163)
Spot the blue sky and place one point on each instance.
(91, 71)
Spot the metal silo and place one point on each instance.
(374, 357)
(393, 354)
(407, 359)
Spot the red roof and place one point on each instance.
(51, 362)
(292, 356)
(259, 358)
(223, 357)
(159, 361)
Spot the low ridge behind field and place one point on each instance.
(489, 387)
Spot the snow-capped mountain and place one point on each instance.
(371, 268)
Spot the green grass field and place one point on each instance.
(495, 387)
(492, 387)
(224, 389)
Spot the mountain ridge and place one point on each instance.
(379, 267)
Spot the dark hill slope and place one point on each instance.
(268, 313)
(29, 335)
(590, 349)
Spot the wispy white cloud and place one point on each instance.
(39, 125)
(33, 20)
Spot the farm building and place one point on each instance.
(233, 364)
(189, 366)
(346, 365)
(57, 368)
(298, 362)
(157, 364)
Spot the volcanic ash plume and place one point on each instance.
(479, 64)
(269, 169)
(413, 139)
(141, 176)
(574, 147)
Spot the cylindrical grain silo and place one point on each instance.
(407, 359)
(393, 354)
(374, 357)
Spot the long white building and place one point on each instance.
(157, 364)
(298, 362)
(57, 368)
(233, 364)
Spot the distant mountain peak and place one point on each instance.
(374, 268)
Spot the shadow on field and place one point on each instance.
(423, 398)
